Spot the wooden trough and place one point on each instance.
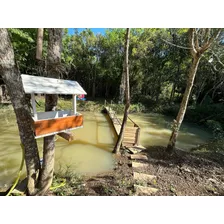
(54, 122)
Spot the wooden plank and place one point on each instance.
(129, 142)
(139, 165)
(34, 106)
(131, 137)
(43, 127)
(74, 104)
(131, 129)
(132, 150)
(67, 136)
(130, 134)
(139, 157)
(142, 177)
(140, 147)
(140, 190)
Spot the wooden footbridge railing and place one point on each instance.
(131, 134)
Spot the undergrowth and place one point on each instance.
(74, 182)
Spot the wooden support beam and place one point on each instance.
(67, 136)
(137, 136)
(74, 103)
(34, 106)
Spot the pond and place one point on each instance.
(90, 152)
(156, 130)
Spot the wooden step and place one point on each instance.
(128, 143)
(139, 157)
(139, 165)
(130, 133)
(140, 190)
(130, 129)
(129, 138)
(132, 149)
(142, 177)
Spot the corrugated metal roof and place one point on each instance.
(44, 85)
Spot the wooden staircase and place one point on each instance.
(131, 134)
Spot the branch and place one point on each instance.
(196, 40)
(208, 44)
(183, 47)
(218, 59)
(207, 34)
(191, 41)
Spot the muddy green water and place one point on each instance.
(91, 151)
(156, 130)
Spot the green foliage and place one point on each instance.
(74, 182)
(159, 63)
(217, 129)
(216, 145)
(24, 44)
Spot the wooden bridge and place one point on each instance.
(131, 138)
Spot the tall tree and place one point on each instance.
(39, 50)
(11, 76)
(122, 84)
(53, 71)
(127, 94)
(199, 41)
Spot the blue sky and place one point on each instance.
(95, 30)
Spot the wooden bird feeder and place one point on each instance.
(53, 122)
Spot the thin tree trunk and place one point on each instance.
(172, 93)
(122, 85)
(11, 76)
(53, 65)
(94, 85)
(40, 34)
(196, 52)
(127, 94)
(183, 106)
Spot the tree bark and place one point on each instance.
(127, 94)
(183, 106)
(40, 34)
(53, 70)
(196, 52)
(11, 76)
(122, 85)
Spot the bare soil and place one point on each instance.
(181, 173)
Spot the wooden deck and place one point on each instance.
(132, 133)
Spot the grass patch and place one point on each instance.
(74, 183)
(213, 146)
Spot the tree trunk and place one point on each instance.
(183, 106)
(122, 85)
(172, 94)
(40, 34)
(127, 94)
(94, 85)
(53, 68)
(11, 76)
(196, 52)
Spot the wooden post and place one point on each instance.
(67, 136)
(74, 103)
(34, 106)
(137, 136)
